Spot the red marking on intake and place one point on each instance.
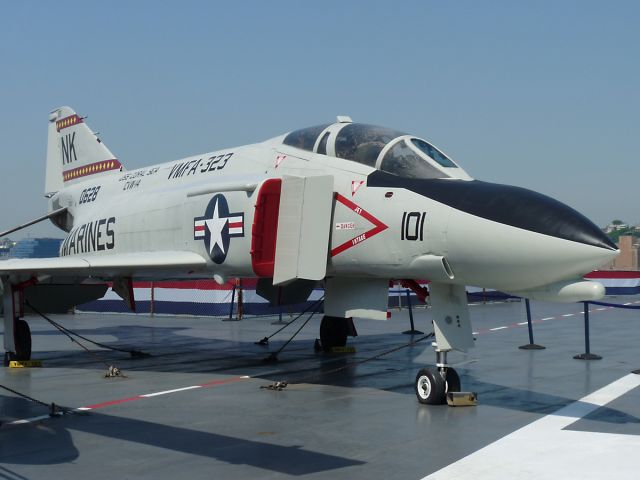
(264, 232)
(279, 160)
(379, 226)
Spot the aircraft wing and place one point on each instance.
(124, 264)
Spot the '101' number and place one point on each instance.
(412, 226)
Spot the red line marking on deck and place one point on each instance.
(222, 382)
(147, 396)
(112, 402)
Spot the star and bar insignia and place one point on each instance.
(217, 227)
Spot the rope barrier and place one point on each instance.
(282, 384)
(313, 306)
(112, 371)
(274, 356)
(54, 410)
(66, 331)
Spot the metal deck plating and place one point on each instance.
(196, 405)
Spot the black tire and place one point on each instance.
(453, 381)
(23, 340)
(430, 387)
(333, 332)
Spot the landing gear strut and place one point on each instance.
(22, 340)
(433, 384)
(452, 330)
(17, 335)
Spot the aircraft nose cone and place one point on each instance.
(529, 210)
(514, 206)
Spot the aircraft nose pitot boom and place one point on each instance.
(495, 233)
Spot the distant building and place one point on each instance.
(628, 258)
(6, 244)
(615, 226)
(36, 248)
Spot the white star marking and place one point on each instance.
(215, 226)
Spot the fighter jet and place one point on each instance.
(348, 205)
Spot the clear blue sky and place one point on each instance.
(543, 94)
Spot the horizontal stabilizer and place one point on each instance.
(55, 213)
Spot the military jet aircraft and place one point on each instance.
(346, 204)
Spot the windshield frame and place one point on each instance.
(406, 139)
(363, 142)
(424, 154)
(373, 135)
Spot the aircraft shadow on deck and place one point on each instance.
(173, 352)
(51, 443)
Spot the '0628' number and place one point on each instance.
(88, 195)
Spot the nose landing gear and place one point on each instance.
(433, 384)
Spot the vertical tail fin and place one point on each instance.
(74, 152)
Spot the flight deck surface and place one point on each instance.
(196, 407)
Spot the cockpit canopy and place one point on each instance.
(383, 148)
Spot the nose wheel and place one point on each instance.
(433, 384)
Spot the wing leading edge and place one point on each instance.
(129, 264)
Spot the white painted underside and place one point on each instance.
(195, 295)
(543, 449)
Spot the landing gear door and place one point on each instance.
(451, 322)
(356, 297)
(304, 226)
